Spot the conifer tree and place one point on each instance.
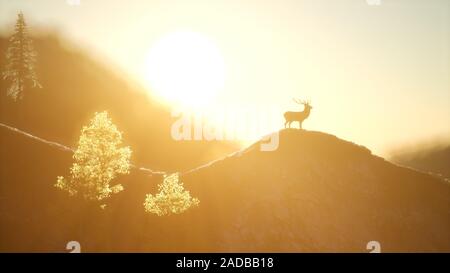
(20, 61)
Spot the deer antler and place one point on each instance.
(301, 101)
(298, 101)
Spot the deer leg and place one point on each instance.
(285, 124)
(300, 124)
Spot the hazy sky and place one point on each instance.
(377, 75)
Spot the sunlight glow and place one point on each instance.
(185, 68)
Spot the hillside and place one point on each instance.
(320, 193)
(315, 193)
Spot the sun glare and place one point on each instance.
(185, 68)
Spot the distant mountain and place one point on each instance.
(435, 160)
(315, 193)
(75, 86)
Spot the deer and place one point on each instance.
(290, 116)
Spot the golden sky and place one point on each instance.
(377, 75)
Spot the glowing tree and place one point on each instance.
(171, 198)
(20, 61)
(98, 160)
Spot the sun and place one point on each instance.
(185, 68)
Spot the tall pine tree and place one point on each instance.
(21, 59)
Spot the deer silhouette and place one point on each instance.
(289, 116)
